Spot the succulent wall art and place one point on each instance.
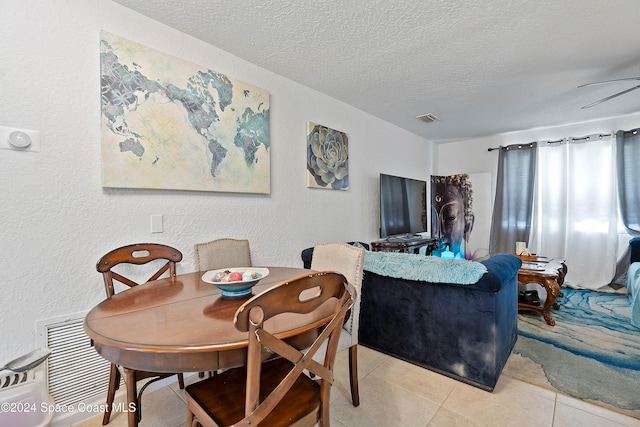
(327, 158)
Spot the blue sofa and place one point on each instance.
(466, 332)
(634, 250)
(633, 280)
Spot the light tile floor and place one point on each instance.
(394, 393)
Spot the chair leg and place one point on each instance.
(181, 381)
(353, 377)
(190, 420)
(114, 384)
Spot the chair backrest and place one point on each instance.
(304, 294)
(349, 261)
(222, 253)
(137, 254)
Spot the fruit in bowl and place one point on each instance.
(234, 277)
(235, 282)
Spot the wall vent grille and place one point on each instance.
(15, 378)
(75, 371)
(428, 118)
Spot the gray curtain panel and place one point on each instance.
(628, 159)
(512, 209)
(628, 166)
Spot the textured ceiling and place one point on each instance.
(482, 67)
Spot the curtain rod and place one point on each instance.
(530, 144)
(559, 141)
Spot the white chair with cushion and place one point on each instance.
(222, 253)
(349, 261)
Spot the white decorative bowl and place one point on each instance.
(237, 289)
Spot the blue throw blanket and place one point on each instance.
(424, 268)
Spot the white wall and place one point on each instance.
(57, 219)
(472, 156)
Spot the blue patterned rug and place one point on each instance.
(593, 351)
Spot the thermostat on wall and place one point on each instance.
(19, 139)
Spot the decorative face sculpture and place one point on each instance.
(451, 216)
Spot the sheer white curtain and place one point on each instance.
(576, 209)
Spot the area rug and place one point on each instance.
(592, 353)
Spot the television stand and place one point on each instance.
(405, 244)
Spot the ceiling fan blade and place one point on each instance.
(610, 97)
(609, 81)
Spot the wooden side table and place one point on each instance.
(548, 273)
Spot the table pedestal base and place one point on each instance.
(132, 396)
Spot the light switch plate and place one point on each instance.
(33, 134)
(156, 224)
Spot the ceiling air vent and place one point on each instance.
(428, 118)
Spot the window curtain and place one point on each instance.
(628, 160)
(576, 216)
(512, 208)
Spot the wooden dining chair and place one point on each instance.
(349, 261)
(278, 391)
(154, 255)
(222, 253)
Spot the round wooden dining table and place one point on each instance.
(179, 324)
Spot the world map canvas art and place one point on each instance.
(171, 124)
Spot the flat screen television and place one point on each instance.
(403, 206)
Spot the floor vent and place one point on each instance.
(75, 371)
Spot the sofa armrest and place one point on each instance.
(500, 268)
(634, 250)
